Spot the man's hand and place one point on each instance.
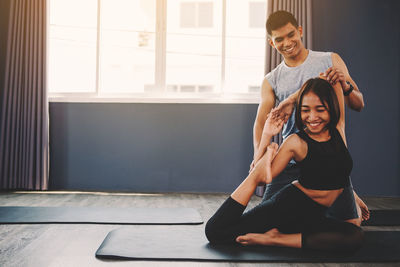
(334, 75)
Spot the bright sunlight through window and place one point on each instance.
(156, 50)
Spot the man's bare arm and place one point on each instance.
(266, 104)
(339, 73)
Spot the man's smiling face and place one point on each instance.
(287, 40)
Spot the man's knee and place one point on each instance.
(287, 176)
(355, 221)
(272, 189)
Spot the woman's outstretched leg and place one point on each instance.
(261, 174)
(227, 223)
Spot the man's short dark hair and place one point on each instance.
(327, 96)
(279, 19)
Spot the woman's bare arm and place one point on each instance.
(291, 148)
(273, 125)
(341, 123)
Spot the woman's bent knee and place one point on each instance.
(211, 232)
(216, 234)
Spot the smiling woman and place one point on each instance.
(296, 216)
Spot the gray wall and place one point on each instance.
(150, 147)
(366, 34)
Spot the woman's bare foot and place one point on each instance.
(265, 239)
(271, 238)
(262, 170)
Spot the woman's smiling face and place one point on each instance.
(314, 114)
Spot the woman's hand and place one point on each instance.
(284, 110)
(273, 124)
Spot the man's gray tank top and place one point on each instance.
(286, 80)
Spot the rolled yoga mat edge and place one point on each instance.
(98, 215)
(383, 218)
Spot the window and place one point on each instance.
(72, 46)
(245, 47)
(257, 14)
(146, 49)
(196, 15)
(127, 46)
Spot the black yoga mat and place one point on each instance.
(99, 215)
(189, 243)
(383, 218)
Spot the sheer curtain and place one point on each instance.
(24, 117)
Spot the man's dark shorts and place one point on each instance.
(344, 207)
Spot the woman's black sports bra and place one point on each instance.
(327, 165)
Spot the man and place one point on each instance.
(282, 83)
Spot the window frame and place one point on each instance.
(161, 96)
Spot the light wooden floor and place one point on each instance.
(76, 244)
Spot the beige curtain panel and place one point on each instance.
(301, 9)
(24, 117)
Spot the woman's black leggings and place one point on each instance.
(291, 211)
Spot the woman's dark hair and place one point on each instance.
(327, 96)
(279, 19)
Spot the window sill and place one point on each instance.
(226, 99)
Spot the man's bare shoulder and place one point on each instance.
(265, 83)
(266, 89)
(336, 59)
